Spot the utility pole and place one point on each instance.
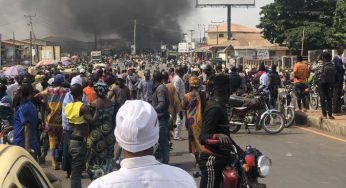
(217, 30)
(302, 51)
(191, 33)
(32, 34)
(14, 48)
(134, 35)
(200, 36)
(0, 52)
(30, 48)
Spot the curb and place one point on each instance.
(335, 126)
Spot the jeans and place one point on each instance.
(78, 151)
(163, 140)
(211, 169)
(337, 93)
(300, 93)
(326, 98)
(66, 157)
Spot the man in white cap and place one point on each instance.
(137, 132)
(67, 128)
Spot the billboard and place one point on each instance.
(225, 2)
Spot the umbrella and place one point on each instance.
(66, 63)
(14, 71)
(65, 59)
(26, 62)
(44, 63)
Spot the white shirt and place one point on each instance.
(264, 82)
(179, 85)
(145, 172)
(11, 89)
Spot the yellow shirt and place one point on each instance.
(72, 111)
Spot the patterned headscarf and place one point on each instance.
(101, 89)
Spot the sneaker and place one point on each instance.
(331, 117)
(179, 139)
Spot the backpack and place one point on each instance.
(328, 74)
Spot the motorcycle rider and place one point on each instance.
(214, 158)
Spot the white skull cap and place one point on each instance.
(137, 127)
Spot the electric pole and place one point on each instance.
(217, 30)
(191, 33)
(32, 34)
(134, 35)
(14, 49)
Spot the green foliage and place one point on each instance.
(283, 22)
(339, 24)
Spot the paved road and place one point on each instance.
(300, 158)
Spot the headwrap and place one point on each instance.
(194, 82)
(101, 89)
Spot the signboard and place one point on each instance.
(133, 49)
(225, 2)
(262, 54)
(183, 47)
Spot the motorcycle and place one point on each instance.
(246, 168)
(6, 132)
(256, 112)
(314, 97)
(286, 107)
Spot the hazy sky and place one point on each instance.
(12, 19)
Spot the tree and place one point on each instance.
(283, 22)
(339, 24)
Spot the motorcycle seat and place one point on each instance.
(236, 101)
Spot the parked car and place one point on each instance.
(19, 169)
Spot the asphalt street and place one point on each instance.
(301, 159)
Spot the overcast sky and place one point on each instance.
(12, 19)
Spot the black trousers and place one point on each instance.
(300, 93)
(337, 93)
(326, 91)
(211, 168)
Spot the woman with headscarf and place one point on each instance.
(101, 139)
(193, 103)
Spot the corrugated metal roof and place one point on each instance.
(236, 28)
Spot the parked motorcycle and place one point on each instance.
(285, 107)
(314, 97)
(254, 112)
(6, 132)
(245, 169)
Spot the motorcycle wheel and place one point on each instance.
(273, 122)
(314, 103)
(234, 128)
(289, 120)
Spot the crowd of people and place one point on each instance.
(79, 112)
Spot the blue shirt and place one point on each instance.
(146, 88)
(25, 114)
(68, 99)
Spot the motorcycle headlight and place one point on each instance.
(263, 166)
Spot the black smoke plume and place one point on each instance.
(157, 20)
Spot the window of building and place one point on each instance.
(221, 35)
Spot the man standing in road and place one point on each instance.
(326, 82)
(160, 102)
(339, 83)
(25, 121)
(300, 71)
(145, 88)
(137, 132)
(180, 87)
(132, 82)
